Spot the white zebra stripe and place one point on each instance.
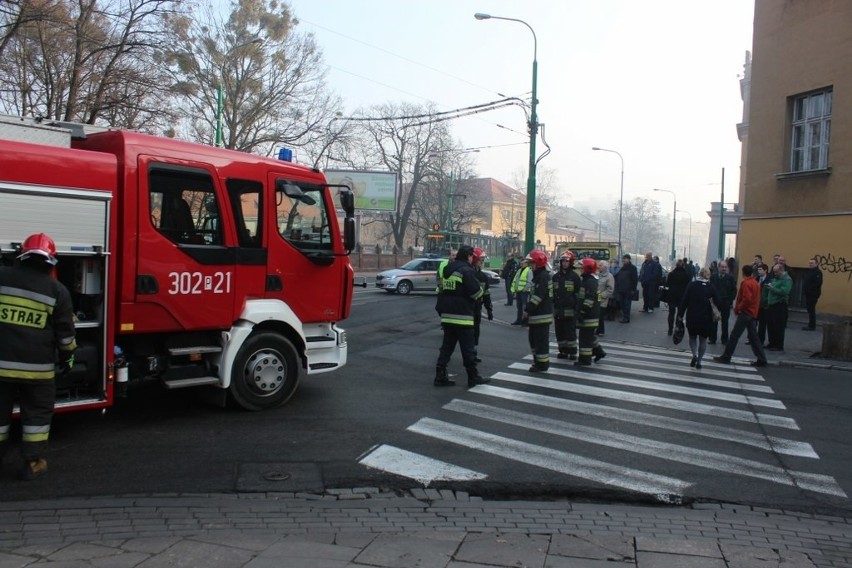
(662, 450)
(754, 439)
(629, 366)
(554, 460)
(677, 356)
(732, 371)
(415, 466)
(627, 396)
(689, 391)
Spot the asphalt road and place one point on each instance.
(641, 425)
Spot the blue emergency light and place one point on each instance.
(285, 155)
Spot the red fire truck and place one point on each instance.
(189, 264)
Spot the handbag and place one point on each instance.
(677, 336)
(717, 315)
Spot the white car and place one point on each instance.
(419, 274)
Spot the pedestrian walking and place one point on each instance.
(764, 277)
(699, 316)
(588, 316)
(676, 282)
(626, 282)
(776, 300)
(606, 289)
(649, 277)
(566, 284)
(746, 309)
(726, 289)
(36, 322)
(508, 274)
(539, 312)
(456, 304)
(521, 286)
(812, 288)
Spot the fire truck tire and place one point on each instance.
(265, 372)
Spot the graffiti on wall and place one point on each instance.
(834, 264)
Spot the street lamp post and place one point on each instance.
(688, 251)
(529, 235)
(674, 221)
(621, 195)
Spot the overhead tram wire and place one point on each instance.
(499, 94)
(409, 61)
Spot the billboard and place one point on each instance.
(374, 190)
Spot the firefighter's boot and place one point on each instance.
(34, 469)
(441, 377)
(598, 353)
(474, 378)
(583, 361)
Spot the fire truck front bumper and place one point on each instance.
(326, 347)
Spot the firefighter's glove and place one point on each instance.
(490, 315)
(66, 365)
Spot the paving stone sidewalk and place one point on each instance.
(423, 528)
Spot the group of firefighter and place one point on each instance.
(568, 300)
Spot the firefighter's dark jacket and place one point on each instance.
(566, 285)
(540, 304)
(36, 319)
(460, 291)
(589, 308)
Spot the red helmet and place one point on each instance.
(39, 244)
(567, 255)
(590, 266)
(539, 258)
(478, 255)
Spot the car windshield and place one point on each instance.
(412, 265)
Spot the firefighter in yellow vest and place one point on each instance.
(36, 322)
(588, 314)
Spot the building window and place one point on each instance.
(811, 129)
(505, 214)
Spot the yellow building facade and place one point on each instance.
(796, 188)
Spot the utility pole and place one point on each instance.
(722, 219)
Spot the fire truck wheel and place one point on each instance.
(265, 372)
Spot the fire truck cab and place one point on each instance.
(188, 264)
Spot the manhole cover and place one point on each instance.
(276, 476)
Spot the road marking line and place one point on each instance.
(648, 385)
(421, 468)
(676, 355)
(719, 369)
(554, 460)
(627, 396)
(628, 366)
(757, 440)
(817, 483)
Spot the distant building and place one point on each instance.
(796, 193)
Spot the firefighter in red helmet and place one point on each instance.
(589, 314)
(539, 312)
(36, 322)
(566, 284)
(484, 300)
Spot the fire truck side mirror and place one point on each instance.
(349, 233)
(347, 202)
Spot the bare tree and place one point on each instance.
(89, 61)
(270, 78)
(642, 226)
(397, 138)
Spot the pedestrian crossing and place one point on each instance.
(640, 420)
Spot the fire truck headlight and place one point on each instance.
(341, 338)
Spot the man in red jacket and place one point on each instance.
(746, 308)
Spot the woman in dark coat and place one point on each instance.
(699, 315)
(676, 283)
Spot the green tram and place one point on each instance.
(496, 248)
